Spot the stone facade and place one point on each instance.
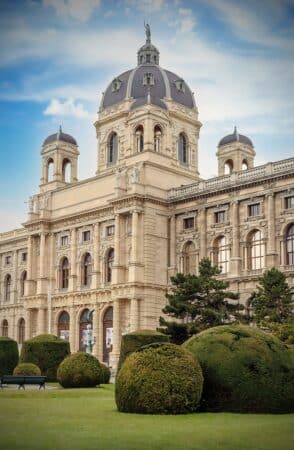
(101, 251)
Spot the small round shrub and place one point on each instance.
(79, 370)
(133, 341)
(159, 379)
(105, 376)
(46, 351)
(26, 369)
(8, 355)
(245, 370)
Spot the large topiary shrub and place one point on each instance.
(245, 370)
(133, 341)
(8, 355)
(159, 379)
(46, 351)
(26, 369)
(79, 370)
(105, 375)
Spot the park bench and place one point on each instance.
(21, 380)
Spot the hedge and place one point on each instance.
(79, 370)
(159, 379)
(133, 341)
(26, 369)
(46, 351)
(245, 370)
(8, 355)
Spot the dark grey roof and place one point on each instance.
(144, 100)
(132, 87)
(235, 137)
(60, 136)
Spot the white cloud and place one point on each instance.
(186, 20)
(66, 108)
(148, 6)
(77, 9)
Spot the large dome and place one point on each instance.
(148, 83)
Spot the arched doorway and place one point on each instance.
(21, 330)
(107, 334)
(63, 326)
(86, 318)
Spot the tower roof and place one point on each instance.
(60, 136)
(148, 78)
(235, 137)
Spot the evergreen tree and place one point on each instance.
(200, 301)
(272, 302)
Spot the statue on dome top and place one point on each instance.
(148, 31)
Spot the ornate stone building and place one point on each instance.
(100, 251)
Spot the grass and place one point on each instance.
(87, 419)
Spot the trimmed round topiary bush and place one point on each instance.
(26, 369)
(133, 341)
(105, 376)
(8, 355)
(46, 351)
(79, 370)
(159, 379)
(245, 370)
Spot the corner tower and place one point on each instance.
(148, 116)
(59, 161)
(235, 152)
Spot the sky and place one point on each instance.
(58, 56)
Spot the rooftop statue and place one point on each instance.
(148, 32)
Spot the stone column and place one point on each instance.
(173, 246)
(29, 284)
(41, 325)
(95, 331)
(271, 256)
(41, 285)
(27, 318)
(15, 281)
(235, 260)
(135, 269)
(96, 275)
(202, 233)
(116, 334)
(134, 314)
(73, 260)
(72, 329)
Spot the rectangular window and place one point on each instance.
(289, 202)
(220, 216)
(254, 210)
(110, 230)
(86, 236)
(188, 223)
(64, 241)
(24, 257)
(7, 260)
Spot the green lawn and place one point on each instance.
(87, 419)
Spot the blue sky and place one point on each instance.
(57, 57)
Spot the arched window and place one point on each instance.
(66, 170)
(4, 328)
(108, 265)
(139, 133)
(222, 254)
(189, 258)
(157, 138)
(86, 318)
(64, 273)
(112, 148)
(23, 278)
(229, 165)
(107, 333)
(50, 170)
(21, 330)
(256, 251)
(244, 164)
(7, 287)
(290, 245)
(86, 269)
(63, 325)
(183, 150)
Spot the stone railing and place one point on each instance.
(236, 178)
(14, 234)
